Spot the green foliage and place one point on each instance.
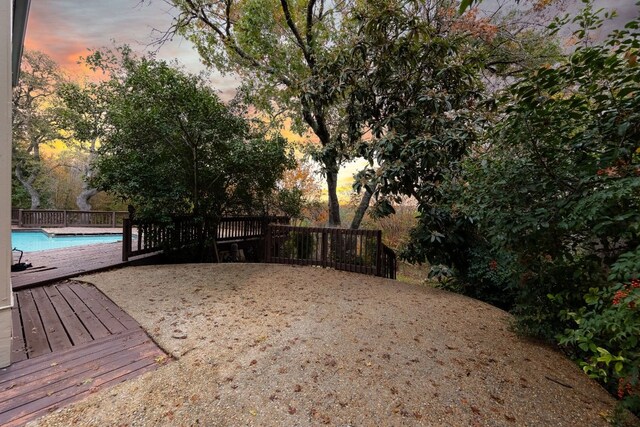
(175, 149)
(545, 211)
(606, 338)
(414, 83)
(289, 201)
(557, 184)
(280, 51)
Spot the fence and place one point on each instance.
(359, 251)
(153, 237)
(15, 216)
(64, 218)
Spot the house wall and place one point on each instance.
(6, 296)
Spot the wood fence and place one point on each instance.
(153, 237)
(359, 251)
(15, 216)
(63, 218)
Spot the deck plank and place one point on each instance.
(75, 329)
(35, 337)
(61, 264)
(89, 297)
(56, 334)
(93, 325)
(54, 360)
(134, 371)
(32, 387)
(112, 373)
(78, 374)
(18, 348)
(123, 317)
(31, 380)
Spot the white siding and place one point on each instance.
(6, 296)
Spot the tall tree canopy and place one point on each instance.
(174, 148)
(83, 114)
(294, 58)
(34, 121)
(279, 49)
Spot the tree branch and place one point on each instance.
(229, 41)
(310, 22)
(296, 33)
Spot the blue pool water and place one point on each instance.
(31, 241)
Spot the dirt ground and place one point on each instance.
(272, 345)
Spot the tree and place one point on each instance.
(279, 49)
(554, 194)
(175, 149)
(290, 58)
(34, 121)
(83, 114)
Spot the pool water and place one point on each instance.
(31, 241)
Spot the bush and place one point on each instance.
(606, 339)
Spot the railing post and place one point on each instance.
(113, 219)
(66, 218)
(267, 243)
(325, 247)
(20, 218)
(126, 239)
(379, 255)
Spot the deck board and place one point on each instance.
(18, 348)
(59, 264)
(88, 319)
(117, 349)
(112, 324)
(56, 335)
(35, 337)
(74, 327)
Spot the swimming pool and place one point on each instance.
(31, 241)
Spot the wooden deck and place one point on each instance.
(69, 340)
(59, 264)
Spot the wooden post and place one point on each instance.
(20, 218)
(113, 219)
(379, 253)
(126, 239)
(325, 248)
(65, 215)
(267, 243)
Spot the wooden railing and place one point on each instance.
(15, 216)
(64, 218)
(154, 237)
(359, 251)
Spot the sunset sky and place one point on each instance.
(65, 29)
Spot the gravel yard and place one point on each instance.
(271, 345)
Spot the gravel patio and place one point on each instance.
(257, 344)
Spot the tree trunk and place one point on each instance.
(362, 208)
(334, 204)
(82, 201)
(27, 183)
